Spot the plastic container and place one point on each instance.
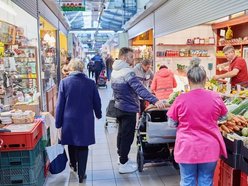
(21, 158)
(244, 159)
(217, 173)
(229, 176)
(15, 141)
(243, 179)
(233, 146)
(23, 175)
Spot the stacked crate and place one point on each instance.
(22, 158)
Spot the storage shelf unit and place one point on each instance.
(239, 41)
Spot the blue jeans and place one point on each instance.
(200, 174)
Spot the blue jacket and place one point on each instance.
(127, 87)
(78, 100)
(98, 63)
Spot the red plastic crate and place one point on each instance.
(243, 179)
(217, 174)
(229, 176)
(15, 141)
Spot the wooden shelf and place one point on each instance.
(232, 45)
(221, 57)
(180, 56)
(186, 45)
(232, 22)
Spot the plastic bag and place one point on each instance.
(57, 157)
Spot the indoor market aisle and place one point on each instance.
(102, 168)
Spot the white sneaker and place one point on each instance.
(128, 167)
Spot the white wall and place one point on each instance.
(21, 19)
(202, 31)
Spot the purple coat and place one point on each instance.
(78, 100)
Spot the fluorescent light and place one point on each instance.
(7, 8)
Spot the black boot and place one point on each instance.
(82, 178)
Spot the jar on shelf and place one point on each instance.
(196, 40)
(202, 41)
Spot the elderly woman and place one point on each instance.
(78, 100)
(199, 143)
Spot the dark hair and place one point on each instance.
(163, 66)
(123, 51)
(196, 74)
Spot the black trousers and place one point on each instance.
(78, 155)
(91, 73)
(97, 73)
(126, 130)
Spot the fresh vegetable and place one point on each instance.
(245, 131)
(173, 96)
(241, 108)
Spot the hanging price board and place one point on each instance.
(72, 5)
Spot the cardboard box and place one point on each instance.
(35, 107)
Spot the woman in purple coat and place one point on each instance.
(78, 100)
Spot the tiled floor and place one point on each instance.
(102, 168)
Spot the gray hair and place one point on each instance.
(146, 62)
(196, 73)
(76, 65)
(227, 48)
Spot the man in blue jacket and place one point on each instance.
(127, 89)
(98, 65)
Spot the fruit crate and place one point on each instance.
(233, 146)
(229, 176)
(244, 159)
(232, 160)
(217, 174)
(26, 140)
(22, 175)
(243, 179)
(24, 158)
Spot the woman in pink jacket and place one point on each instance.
(163, 83)
(199, 143)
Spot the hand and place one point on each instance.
(160, 104)
(216, 77)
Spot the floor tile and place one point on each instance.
(111, 182)
(128, 182)
(151, 180)
(103, 175)
(102, 166)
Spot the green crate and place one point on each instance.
(39, 181)
(23, 158)
(21, 175)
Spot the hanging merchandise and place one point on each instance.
(229, 33)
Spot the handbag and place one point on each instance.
(57, 157)
(111, 110)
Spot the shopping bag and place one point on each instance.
(57, 157)
(111, 111)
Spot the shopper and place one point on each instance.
(64, 67)
(237, 68)
(109, 63)
(145, 75)
(199, 143)
(98, 65)
(90, 67)
(78, 100)
(126, 89)
(163, 83)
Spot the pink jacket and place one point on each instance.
(163, 83)
(198, 139)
